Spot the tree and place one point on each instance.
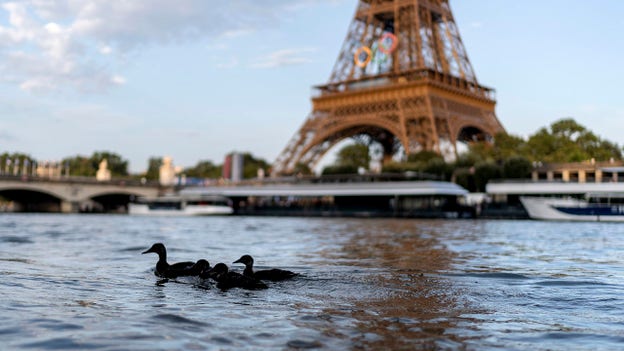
(467, 159)
(340, 169)
(251, 165)
(564, 141)
(80, 166)
(568, 141)
(354, 155)
(484, 172)
(517, 168)
(204, 169)
(16, 163)
(153, 168)
(567, 128)
(116, 164)
(437, 167)
(424, 156)
(401, 167)
(87, 166)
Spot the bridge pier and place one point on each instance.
(70, 207)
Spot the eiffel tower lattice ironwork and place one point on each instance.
(403, 80)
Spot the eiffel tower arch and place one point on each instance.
(403, 80)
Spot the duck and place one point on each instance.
(197, 269)
(269, 274)
(226, 279)
(164, 269)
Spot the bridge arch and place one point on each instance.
(68, 196)
(31, 200)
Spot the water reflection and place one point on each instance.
(416, 308)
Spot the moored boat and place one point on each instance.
(175, 205)
(594, 208)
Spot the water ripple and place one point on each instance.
(80, 282)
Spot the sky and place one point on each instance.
(197, 79)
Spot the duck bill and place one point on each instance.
(237, 261)
(147, 251)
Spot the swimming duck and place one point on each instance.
(197, 269)
(164, 269)
(269, 274)
(226, 279)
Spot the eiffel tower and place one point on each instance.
(403, 81)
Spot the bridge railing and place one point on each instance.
(81, 180)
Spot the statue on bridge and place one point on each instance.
(103, 173)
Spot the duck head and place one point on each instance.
(246, 260)
(201, 265)
(219, 269)
(157, 248)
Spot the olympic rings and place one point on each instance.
(356, 57)
(383, 43)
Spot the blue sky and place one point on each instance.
(196, 79)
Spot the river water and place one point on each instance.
(80, 282)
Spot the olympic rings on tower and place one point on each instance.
(356, 57)
(388, 43)
(382, 48)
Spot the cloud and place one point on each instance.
(117, 79)
(49, 45)
(284, 57)
(106, 50)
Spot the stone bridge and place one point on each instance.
(69, 195)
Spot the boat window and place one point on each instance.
(165, 205)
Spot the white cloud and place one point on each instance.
(118, 80)
(67, 43)
(285, 57)
(106, 50)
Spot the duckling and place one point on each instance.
(226, 279)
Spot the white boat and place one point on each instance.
(603, 207)
(174, 205)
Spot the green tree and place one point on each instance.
(87, 166)
(484, 172)
(437, 167)
(354, 155)
(116, 164)
(204, 169)
(251, 165)
(567, 128)
(568, 141)
(517, 168)
(401, 167)
(340, 169)
(564, 141)
(467, 160)
(80, 166)
(16, 163)
(424, 156)
(153, 168)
